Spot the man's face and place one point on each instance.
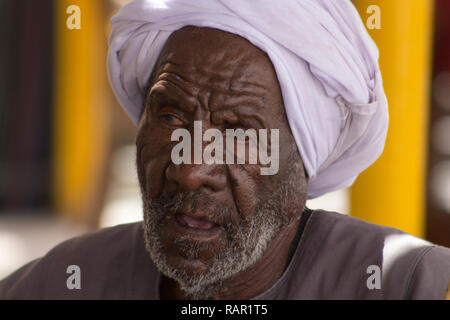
(207, 222)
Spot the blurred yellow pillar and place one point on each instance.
(392, 191)
(81, 119)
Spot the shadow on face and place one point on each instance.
(209, 221)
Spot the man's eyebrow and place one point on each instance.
(179, 82)
(176, 101)
(248, 113)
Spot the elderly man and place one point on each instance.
(216, 229)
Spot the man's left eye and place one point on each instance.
(171, 120)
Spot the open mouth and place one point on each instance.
(195, 223)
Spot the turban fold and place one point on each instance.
(325, 61)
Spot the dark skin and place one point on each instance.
(224, 81)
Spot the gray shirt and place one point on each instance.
(337, 257)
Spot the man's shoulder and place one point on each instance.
(109, 240)
(99, 256)
(344, 221)
(354, 248)
(97, 246)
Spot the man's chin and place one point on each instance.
(194, 276)
(187, 266)
(190, 263)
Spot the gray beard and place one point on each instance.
(246, 243)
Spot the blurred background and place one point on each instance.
(67, 149)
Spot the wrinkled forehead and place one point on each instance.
(212, 56)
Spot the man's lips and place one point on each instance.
(195, 223)
(197, 229)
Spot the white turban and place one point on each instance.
(326, 63)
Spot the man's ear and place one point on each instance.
(146, 102)
(142, 115)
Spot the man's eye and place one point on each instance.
(233, 125)
(171, 120)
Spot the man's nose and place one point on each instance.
(191, 177)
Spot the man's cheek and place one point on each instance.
(244, 180)
(155, 175)
(152, 164)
